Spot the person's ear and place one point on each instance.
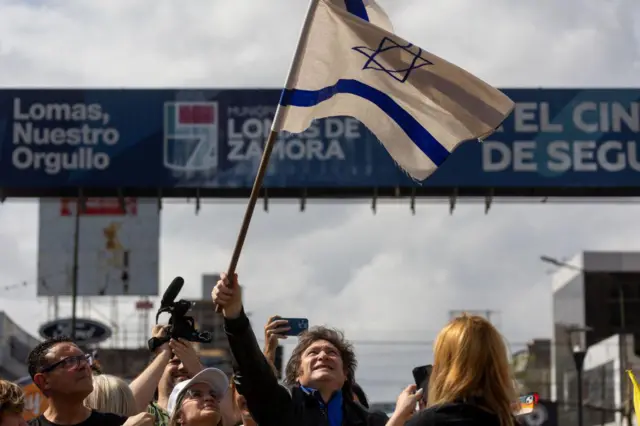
(41, 381)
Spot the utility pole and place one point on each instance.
(74, 272)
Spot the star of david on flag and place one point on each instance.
(389, 46)
(419, 106)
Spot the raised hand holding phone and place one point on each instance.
(406, 405)
(275, 329)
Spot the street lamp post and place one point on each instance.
(578, 346)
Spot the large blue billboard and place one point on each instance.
(213, 139)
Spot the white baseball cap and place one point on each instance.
(211, 376)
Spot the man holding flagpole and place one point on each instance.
(319, 374)
(420, 107)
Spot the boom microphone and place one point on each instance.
(172, 292)
(180, 325)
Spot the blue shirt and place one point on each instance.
(333, 408)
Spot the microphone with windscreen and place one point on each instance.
(171, 293)
(180, 325)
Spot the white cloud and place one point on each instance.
(388, 276)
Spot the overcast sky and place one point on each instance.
(390, 276)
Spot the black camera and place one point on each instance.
(180, 325)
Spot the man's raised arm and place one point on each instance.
(268, 401)
(145, 385)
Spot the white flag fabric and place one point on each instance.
(418, 105)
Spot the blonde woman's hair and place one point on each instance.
(11, 398)
(111, 395)
(470, 364)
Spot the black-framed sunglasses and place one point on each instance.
(69, 363)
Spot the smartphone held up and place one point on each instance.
(297, 326)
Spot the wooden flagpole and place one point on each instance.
(253, 199)
(270, 143)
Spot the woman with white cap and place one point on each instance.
(196, 402)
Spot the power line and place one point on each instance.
(44, 278)
(15, 286)
(26, 283)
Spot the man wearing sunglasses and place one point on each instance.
(62, 371)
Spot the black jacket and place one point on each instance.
(272, 404)
(458, 414)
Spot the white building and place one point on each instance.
(599, 291)
(603, 386)
(15, 345)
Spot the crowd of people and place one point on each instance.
(469, 383)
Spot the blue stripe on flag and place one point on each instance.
(357, 7)
(414, 130)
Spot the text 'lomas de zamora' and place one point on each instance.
(248, 128)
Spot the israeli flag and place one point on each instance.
(418, 105)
